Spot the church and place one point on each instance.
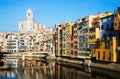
(28, 24)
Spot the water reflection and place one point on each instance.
(53, 70)
(9, 74)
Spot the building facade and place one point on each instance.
(106, 46)
(59, 37)
(11, 43)
(94, 34)
(28, 24)
(83, 36)
(117, 29)
(69, 39)
(2, 42)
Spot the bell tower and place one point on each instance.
(29, 14)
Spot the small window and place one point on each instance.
(109, 18)
(101, 44)
(101, 20)
(112, 26)
(110, 56)
(115, 24)
(98, 55)
(28, 14)
(111, 43)
(102, 27)
(115, 15)
(104, 36)
(103, 55)
(107, 28)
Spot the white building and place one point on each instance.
(11, 43)
(28, 24)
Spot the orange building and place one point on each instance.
(60, 43)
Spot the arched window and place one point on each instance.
(28, 14)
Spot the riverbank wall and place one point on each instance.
(89, 63)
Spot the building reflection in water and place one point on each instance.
(10, 74)
(52, 70)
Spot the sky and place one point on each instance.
(50, 12)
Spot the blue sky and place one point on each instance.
(50, 12)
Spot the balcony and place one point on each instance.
(92, 36)
(75, 45)
(71, 41)
(92, 40)
(59, 48)
(92, 29)
(11, 40)
(75, 34)
(67, 31)
(95, 21)
(75, 29)
(93, 33)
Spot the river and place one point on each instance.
(55, 70)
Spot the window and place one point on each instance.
(115, 24)
(107, 28)
(97, 44)
(101, 20)
(105, 20)
(107, 45)
(28, 14)
(101, 44)
(115, 15)
(98, 55)
(109, 18)
(104, 36)
(75, 53)
(75, 47)
(102, 27)
(110, 56)
(112, 27)
(103, 55)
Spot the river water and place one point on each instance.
(55, 70)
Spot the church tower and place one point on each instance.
(28, 24)
(29, 14)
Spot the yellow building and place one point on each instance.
(65, 32)
(117, 29)
(106, 50)
(68, 36)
